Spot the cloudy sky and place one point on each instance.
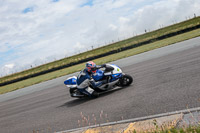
(34, 32)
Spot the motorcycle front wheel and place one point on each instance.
(126, 80)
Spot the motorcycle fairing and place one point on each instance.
(115, 77)
(71, 82)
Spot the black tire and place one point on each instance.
(74, 90)
(126, 80)
(71, 90)
(95, 94)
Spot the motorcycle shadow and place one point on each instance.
(79, 101)
(75, 102)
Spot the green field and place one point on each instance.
(131, 41)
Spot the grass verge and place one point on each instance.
(120, 55)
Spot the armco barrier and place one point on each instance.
(103, 55)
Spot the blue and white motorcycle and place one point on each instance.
(114, 74)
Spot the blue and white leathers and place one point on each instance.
(98, 76)
(84, 81)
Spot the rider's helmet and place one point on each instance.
(91, 67)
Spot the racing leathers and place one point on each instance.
(84, 81)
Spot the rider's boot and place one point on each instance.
(95, 94)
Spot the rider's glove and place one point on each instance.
(101, 66)
(104, 65)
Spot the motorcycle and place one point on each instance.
(112, 73)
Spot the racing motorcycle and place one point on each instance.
(114, 75)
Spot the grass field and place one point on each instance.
(123, 54)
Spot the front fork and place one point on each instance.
(120, 80)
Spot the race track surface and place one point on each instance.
(163, 84)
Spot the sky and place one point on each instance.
(36, 32)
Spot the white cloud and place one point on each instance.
(113, 27)
(10, 66)
(119, 3)
(123, 20)
(79, 46)
(7, 69)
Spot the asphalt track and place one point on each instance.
(164, 81)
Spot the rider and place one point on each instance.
(84, 79)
